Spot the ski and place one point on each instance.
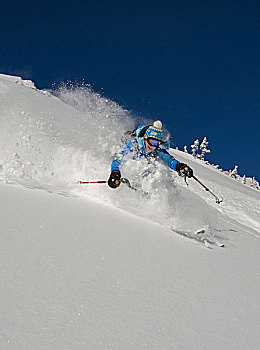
(200, 237)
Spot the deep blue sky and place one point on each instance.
(192, 64)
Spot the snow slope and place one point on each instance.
(95, 268)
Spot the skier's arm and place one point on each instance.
(119, 158)
(181, 168)
(167, 159)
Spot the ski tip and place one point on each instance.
(200, 232)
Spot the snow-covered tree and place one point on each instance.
(185, 149)
(255, 183)
(203, 148)
(195, 147)
(233, 173)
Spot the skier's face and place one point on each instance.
(148, 147)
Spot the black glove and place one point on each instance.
(184, 170)
(114, 179)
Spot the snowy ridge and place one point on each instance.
(252, 182)
(87, 267)
(18, 80)
(234, 193)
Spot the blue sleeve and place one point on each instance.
(167, 158)
(119, 157)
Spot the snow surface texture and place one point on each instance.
(77, 272)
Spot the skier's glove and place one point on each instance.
(184, 170)
(114, 179)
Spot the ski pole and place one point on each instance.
(127, 183)
(208, 190)
(122, 180)
(92, 182)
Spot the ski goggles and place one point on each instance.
(153, 142)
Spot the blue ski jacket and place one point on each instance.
(135, 148)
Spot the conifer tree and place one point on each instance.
(255, 183)
(233, 173)
(203, 148)
(195, 148)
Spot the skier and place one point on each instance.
(145, 142)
